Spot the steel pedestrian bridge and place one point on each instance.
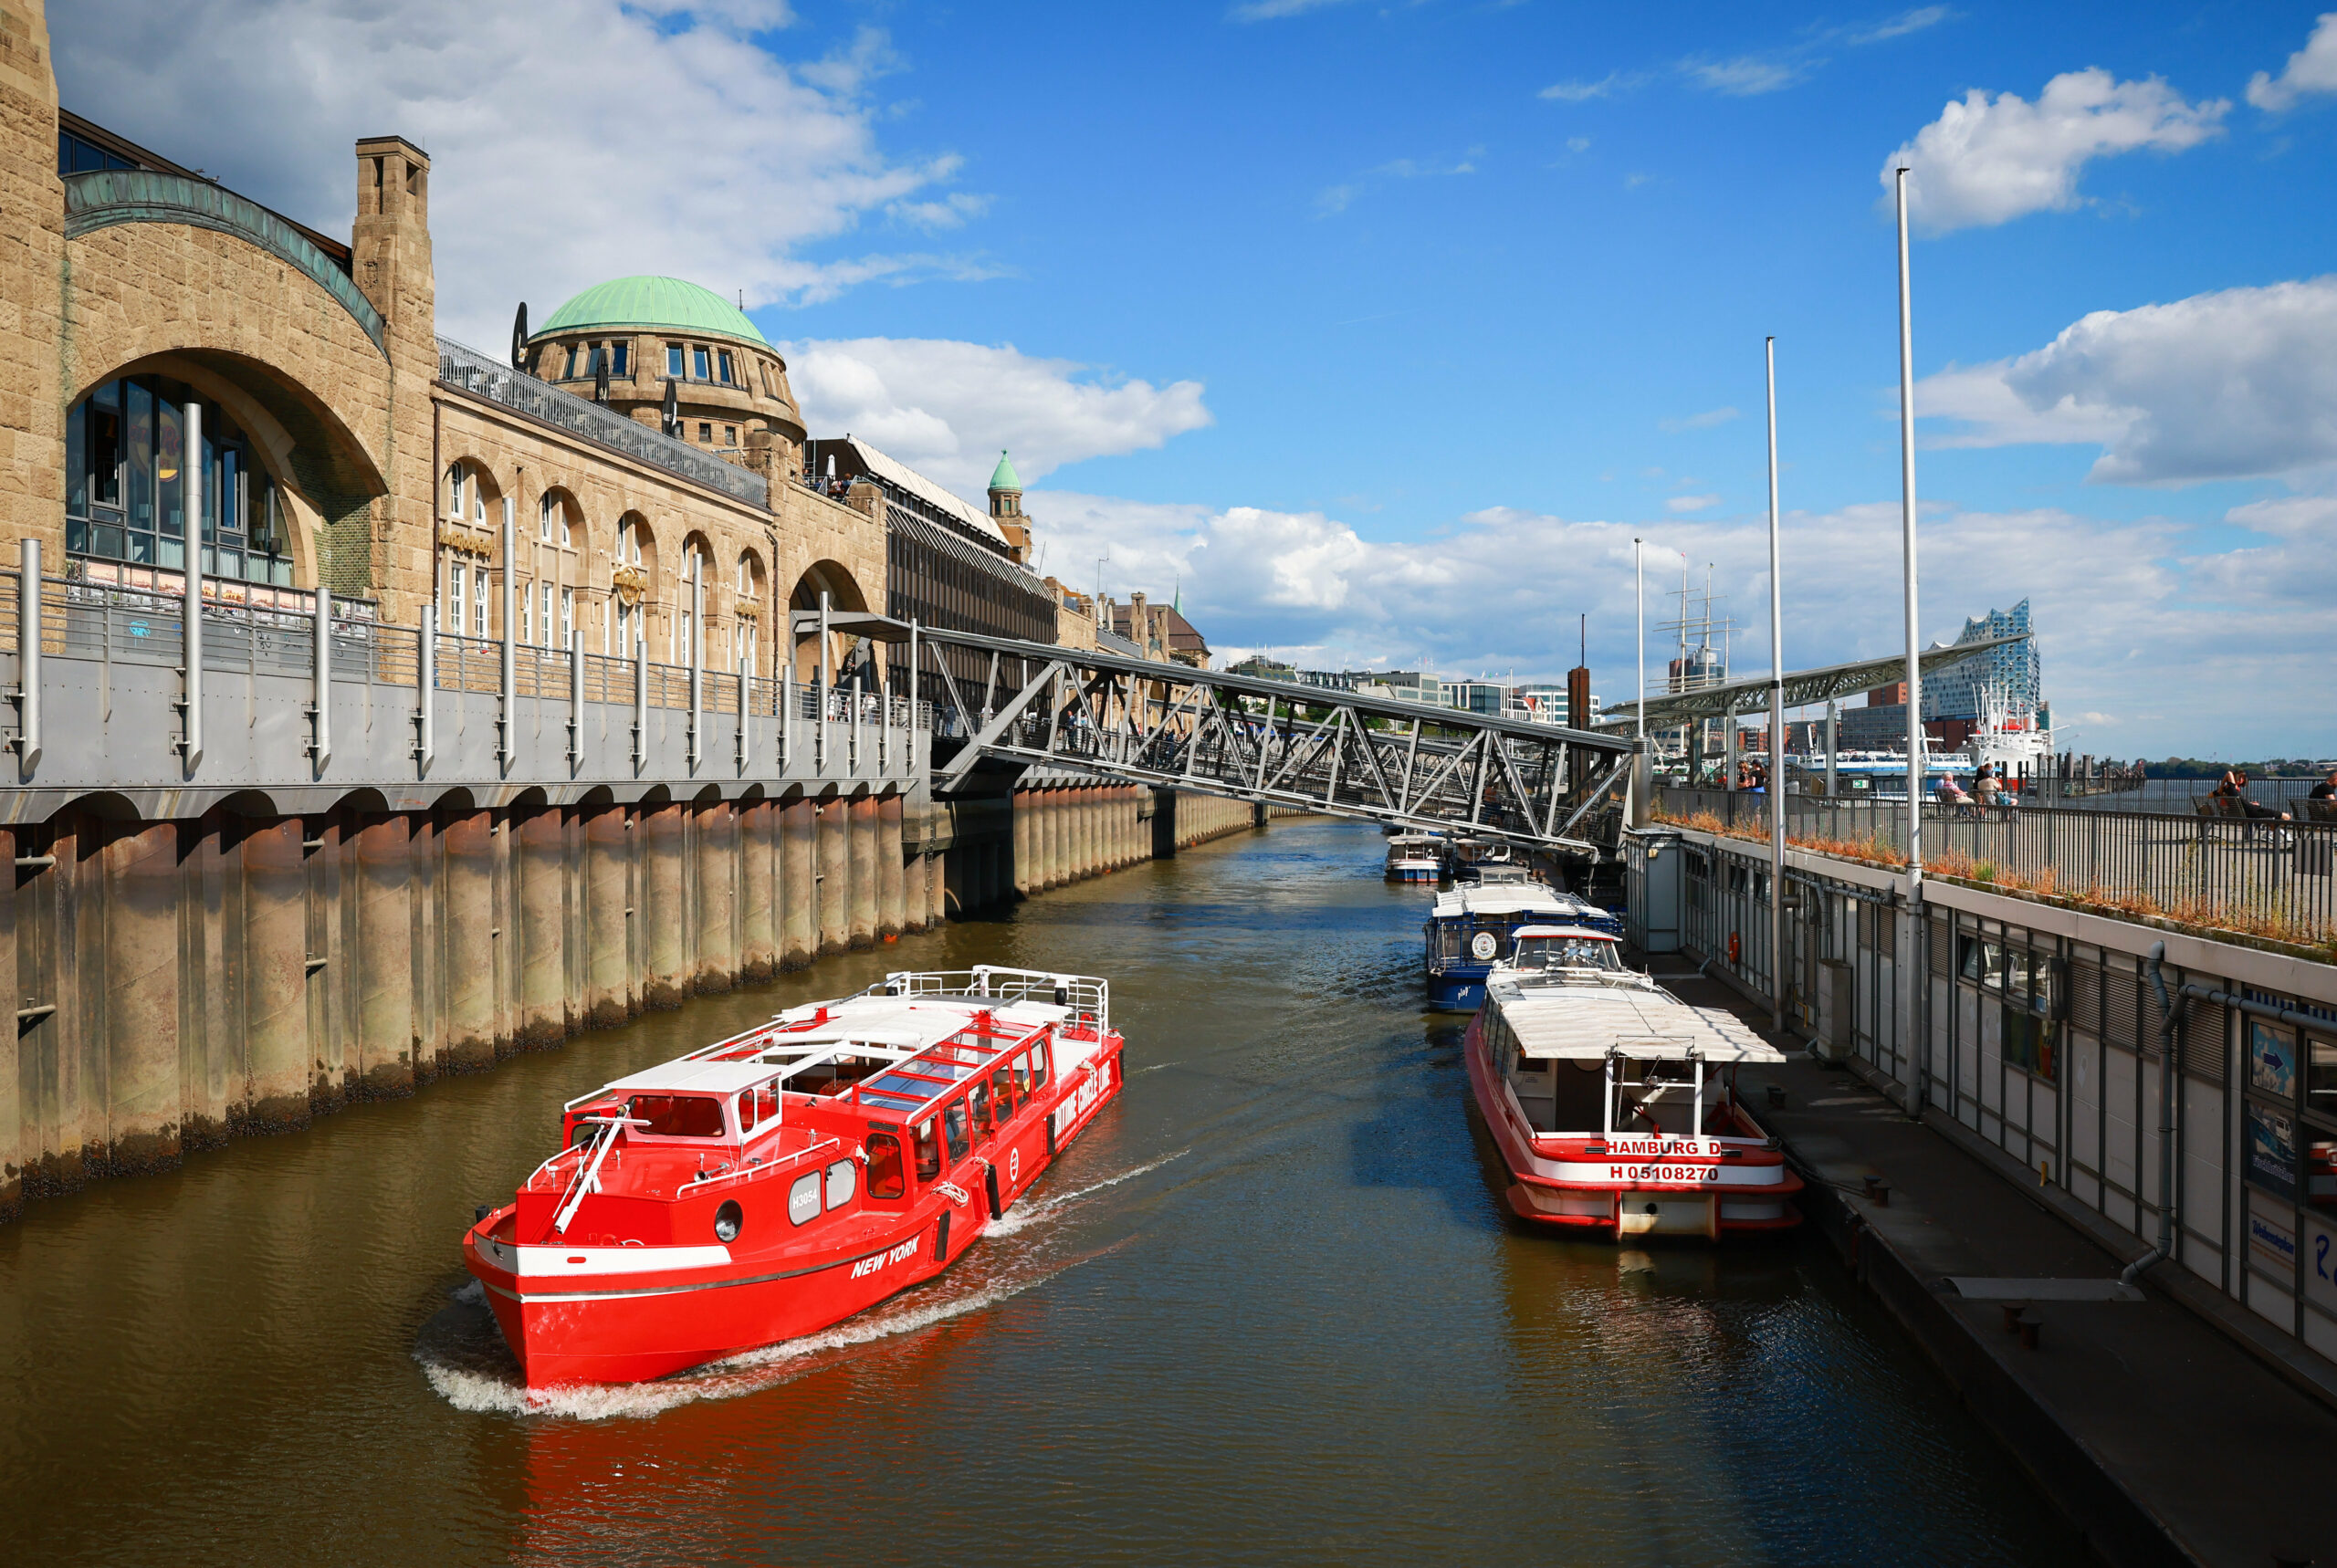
(1318, 749)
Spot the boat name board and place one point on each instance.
(1667, 1148)
(869, 1265)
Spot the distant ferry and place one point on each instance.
(776, 1182)
(1414, 857)
(1470, 928)
(1613, 1103)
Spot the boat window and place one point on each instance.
(1023, 1076)
(1566, 953)
(885, 1175)
(1003, 1084)
(803, 1197)
(953, 1128)
(843, 1180)
(979, 1103)
(1039, 1065)
(928, 1151)
(678, 1115)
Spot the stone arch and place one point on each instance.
(843, 592)
(328, 482)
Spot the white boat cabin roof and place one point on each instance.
(1583, 1023)
(1525, 932)
(1504, 898)
(898, 1030)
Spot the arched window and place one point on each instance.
(466, 497)
(125, 485)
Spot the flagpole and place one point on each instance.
(1776, 783)
(1910, 964)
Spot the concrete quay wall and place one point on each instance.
(183, 982)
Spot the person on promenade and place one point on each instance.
(2234, 788)
(1987, 787)
(2324, 791)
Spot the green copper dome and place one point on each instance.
(1003, 477)
(656, 304)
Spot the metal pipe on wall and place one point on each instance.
(504, 748)
(425, 680)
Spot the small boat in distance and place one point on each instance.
(775, 1183)
(1613, 1103)
(1469, 930)
(1413, 857)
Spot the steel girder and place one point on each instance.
(1312, 747)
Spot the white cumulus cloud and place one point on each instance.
(1307, 584)
(571, 141)
(2311, 69)
(947, 408)
(1988, 161)
(2233, 385)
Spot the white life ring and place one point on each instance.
(1484, 945)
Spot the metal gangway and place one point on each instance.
(1313, 748)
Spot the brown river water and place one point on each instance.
(1266, 1310)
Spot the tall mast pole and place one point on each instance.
(1639, 596)
(1777, 784)
(1911, 964)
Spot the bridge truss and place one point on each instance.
(1317, 749)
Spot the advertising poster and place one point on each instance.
(2271, 1153)
(2272, 1061)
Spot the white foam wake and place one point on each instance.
(489, 1391)
(1026, 1214)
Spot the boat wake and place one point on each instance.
(462, 1352)
(467, 1365)
(1027, 1213)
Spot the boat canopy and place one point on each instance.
(690, 1077)
(1500, 898)
(1577, 1024)
(1523, 932)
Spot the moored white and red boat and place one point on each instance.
(1613, 1103)
(775, 1183)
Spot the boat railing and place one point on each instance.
(1086, 995)
(764, 1166)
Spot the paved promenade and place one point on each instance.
(2163, 1437)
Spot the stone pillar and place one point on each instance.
(892, 880)
(758, 891)
(471, 939)
(864, 871)
(664, 916)
(276, 996)
(608, 918)
(799, 938)
(385, 956)
(836, 876)
(542, 860)
(1084, 809)
(716, 866)
(1052, 857)
(1019, 807)
(140, 970)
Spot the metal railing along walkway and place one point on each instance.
(2283, 873)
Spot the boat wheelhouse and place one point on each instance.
(1470, 929)
(1464, 858)
(1614, 1104)
(1415, 857)
(776, 1182)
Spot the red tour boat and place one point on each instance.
(775, 1183)
(1602, 1092)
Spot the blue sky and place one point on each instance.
(1381, 330)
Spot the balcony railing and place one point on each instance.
(482, 376)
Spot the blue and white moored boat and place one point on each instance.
(1414, 857)
(1474, 927)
